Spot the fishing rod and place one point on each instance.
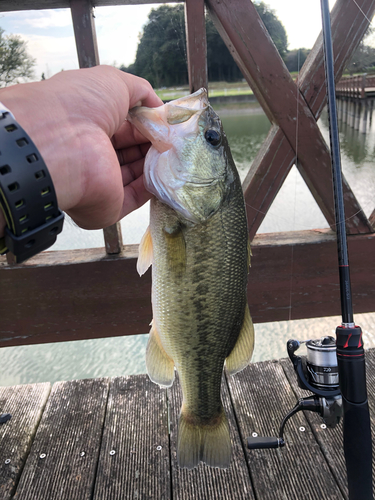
(334, 369)
(350, 351)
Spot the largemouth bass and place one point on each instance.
(197, 243)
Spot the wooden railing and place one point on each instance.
(356, 87)
(79, 294)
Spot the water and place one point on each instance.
(293, 209)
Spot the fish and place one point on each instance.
(198, 246)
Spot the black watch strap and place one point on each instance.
(27, 194)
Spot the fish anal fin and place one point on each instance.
(145, 253)
(241, 353)
(160, 367)
(176, 249)
(209, 442)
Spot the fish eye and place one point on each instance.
(213, 137)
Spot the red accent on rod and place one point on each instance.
(347, 342)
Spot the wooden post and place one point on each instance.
(196, 44)
(88, 56)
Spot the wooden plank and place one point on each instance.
(196, 44)
(284, 104)
(205, 482)
(330, 440)
(88, 56)
(14, 5)
(25, 403)
(64, 455)
(80, 294)
(262, 396)
(134, 457)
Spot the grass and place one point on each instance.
(215, 89)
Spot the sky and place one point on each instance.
(50, 39)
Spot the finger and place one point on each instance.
(132, 171)
(135, 195)
(132, 154)
(140, 91)
(127, 135)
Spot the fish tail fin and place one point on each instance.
(208, 442)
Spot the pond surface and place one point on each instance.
(293, 209)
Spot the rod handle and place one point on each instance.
(358, 450)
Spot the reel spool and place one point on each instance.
(321, 363)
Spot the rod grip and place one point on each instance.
(358, 450)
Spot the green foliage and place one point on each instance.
(274, 27)
(15, 63)
(363, 60)
(161, 55)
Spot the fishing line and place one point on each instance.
(295, 195)
(362, 12)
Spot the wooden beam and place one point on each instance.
(13, 5)
(88, 56)
(81, 294)
(285, 106)
(196, 44)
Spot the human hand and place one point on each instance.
(77, 121)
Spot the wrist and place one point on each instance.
(27, 195)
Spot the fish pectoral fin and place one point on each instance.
(145, 253)
(160, 367)
(208, 442)
(249, 253)
(176, 249)
(241, 353)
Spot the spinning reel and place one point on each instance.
(317, 373)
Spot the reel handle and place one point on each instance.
(261, 442)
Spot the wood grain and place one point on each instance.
(82, 294)
(63, 458)
(13, 5)
(331, 440)
(196, 44)
(25, 403)
(136, 433)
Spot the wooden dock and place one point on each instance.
(116, 439)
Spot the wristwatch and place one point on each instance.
(27, 194)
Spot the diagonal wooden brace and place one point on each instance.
(282, 99)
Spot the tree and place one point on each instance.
(274, 27)
(161, 54)
(15, 63)
(294, 59)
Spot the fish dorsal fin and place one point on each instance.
(241, 353)
(145, 253)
